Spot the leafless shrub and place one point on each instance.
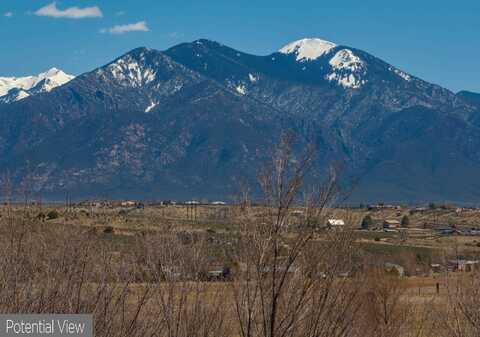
(185, 303)
(460, 315)
(288, 281)
(45, 269)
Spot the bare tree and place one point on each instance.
(460, 317)
(288, 277)
(186, 305)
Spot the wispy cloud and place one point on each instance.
(8, 14)
(175, 35)
(120, 13)
(131, 27)
(53, 11)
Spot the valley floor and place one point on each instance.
(153, 258)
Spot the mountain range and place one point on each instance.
(194, 120)
(14, 89)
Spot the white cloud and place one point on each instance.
(53, 11)
(132, 27)
(8, 14)
(120, 13)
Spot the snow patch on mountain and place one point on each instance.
(348, 69)
(151, 106)
(29, 85)
(346, 80)
(14, 95)
(21, 95)
(129, 72)
(241, 89)
(308, 49)
(401, 74)
(252, 78)
(346, 59)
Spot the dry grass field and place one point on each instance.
(149, 260)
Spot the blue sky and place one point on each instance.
(438, 41)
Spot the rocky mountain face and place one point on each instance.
(195, 119)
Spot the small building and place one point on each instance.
(436, 268)
(297, 214)
(335, 223)
(381, 206)
(219, 203)
(462, 265)
(128, 203)
(391, 224)
(218, 273)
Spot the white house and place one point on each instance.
(391, 224)
(335, 223)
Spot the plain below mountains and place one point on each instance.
(194, 120)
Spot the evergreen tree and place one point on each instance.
(367, 222)
(405, 221)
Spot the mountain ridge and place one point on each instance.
(13, 89)
(193, 120)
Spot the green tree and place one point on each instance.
(52, 215)
(405, 221)
(367, 222)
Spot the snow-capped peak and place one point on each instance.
(49, 79)
(308, 49)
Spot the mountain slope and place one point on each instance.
(312, 89)
(143, 124)
(193, 120)
(470, 97)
